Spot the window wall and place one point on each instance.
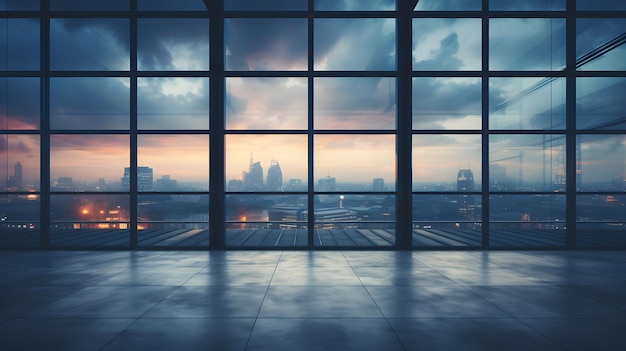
(312, 124)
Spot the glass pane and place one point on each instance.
(91, 44)
(600, 44)
(600, 103)
(527, 103)
(447, 44)
(527, 162)
(448, 5)
(89, 220)
(600, 5)
(348, 5)
(262, 220)
(173, 103)
(355, 103)
(266, 44)
(19, 5)
(447, 103)
(527, 220)
(352, 162)
(177, 44)
(82, 5)
(171, 172)
(266, 162)
(355, 44)
(600, 220)
(169, 5)
(447, 220)
(19, 169)
(601, 163)
(88, 162)
(19, 103)
(19, 221)
(173, 221)
(526, 44)
(355, 220)
(447, 163)
(19, 44)
(90, 103)
(527, 5)
(266, 103)
(256, 5)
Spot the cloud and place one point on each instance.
(19, 98)
(448, 5)
(265, 5)
(355, 5)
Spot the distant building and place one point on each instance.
(253, 179)
(16, 181)
(378, 184)
(165, 183)
(327, 183)
(145, 180)
(274, 177)
(465, 183)
(65, 183)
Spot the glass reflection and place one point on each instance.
(447, 103)
(267, 5)
(90, 103)
(446, 44)
(173, 103)
(601, 163)
(600, 220)
(88, 162)
(266, 103)
(448, 5)
(266, 163)
(19, 103)
(163, 168)
(447, 163)
(600, 5)
(19, 44)
(177, 44)
(89, 44)
(264, 44)
(462, 210)
(600, 103)
(527, 103)
(19, 169)
(168, 5)
(19, 5)
(600, 44)
(355, 44)
(355, 103)
(348, 5)
(354, 163)
(19, 221)
(526, 44)
(527, 5)
(79, 5)
(527, 162)
(173, 220)
(527, 220)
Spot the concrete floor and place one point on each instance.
(320, 300)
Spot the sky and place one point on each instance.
(280, 103)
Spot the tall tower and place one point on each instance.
(16, 181)
(253, 179)
(378, 184)
(145, 179)
(274, 177)
(465, 183)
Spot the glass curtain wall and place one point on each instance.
(312, 124)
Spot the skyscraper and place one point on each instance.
(144, 179)
(16, 181)
(274, 177)
(253, 179)
(465, 182)
(378, 184)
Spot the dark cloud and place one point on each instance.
(265, 5)
(157, 38)
(178, 5)
(527, 5)
(19, 40)
(19, 98)
(355, 5)
(444, 57)
(600, 103)
(266, 44)
(439, 100)
(78, 5)
(448, 5)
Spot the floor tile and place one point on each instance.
(15, 301)
(211, 302)
(403, 275)
(315, 275)
(583, 334)
(318, 302)
(233, 274)
(184, 334)
(323, 334)
(60, 334)
(470, 334)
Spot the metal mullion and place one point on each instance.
(44, 171)
(570, 124)
(134, 187)
(485, 124)
(310, 130)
